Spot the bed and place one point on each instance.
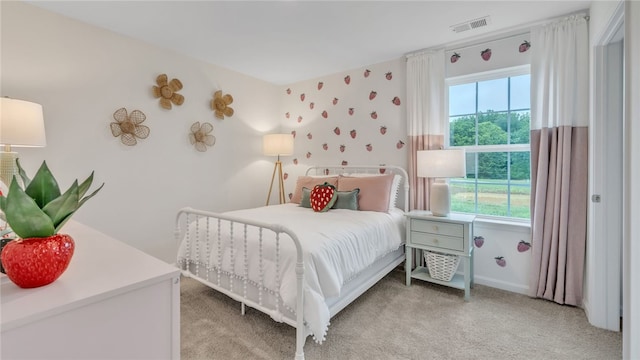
(299, 266)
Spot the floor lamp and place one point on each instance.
(21, 125)
(441, 164)
(277, 145)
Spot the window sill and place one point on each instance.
(503, 224)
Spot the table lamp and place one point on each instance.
(21, 125)
(277, 145)
(441, 164)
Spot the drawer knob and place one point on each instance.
(435, 241)
(435, 228)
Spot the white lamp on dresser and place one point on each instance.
(441, 164)
(21, 125)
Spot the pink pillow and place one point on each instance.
(374, 191)
(309, 182)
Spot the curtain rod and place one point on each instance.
(453, 47)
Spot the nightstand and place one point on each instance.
(447, 235)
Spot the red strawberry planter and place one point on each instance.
(35, 262)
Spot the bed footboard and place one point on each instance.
(215, 250)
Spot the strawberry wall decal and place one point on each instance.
(287, 115)
(369, 147)
(325, 146)
(399, 144)
(308, 155)
(374, 115)
(334, 101)
(288, 91)
(290, 196)
(336, 131)
(454, 58)
(524, 46)
(383, 130)
(345, 163)
(325, 114)
(295, 161)
(302, 96)
(478, 241)
(396, 101)
(342, 148)
(501, 261)
(320, 85)
(311, 105)
(309, 136)
(167, 91)
(293, 132)
(388, 75)
(347, 79)
(285, 176)
(367, 72)
(485, 54)
(382, 170)
(299, 119)
(351, 111)
(523, 246)
(353, 134)
(372, 95)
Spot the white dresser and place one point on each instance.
(112, 302)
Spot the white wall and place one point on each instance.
(631, 244)
(82, 74)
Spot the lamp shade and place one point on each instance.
(441, 163)
(21, 123)
(277, 144)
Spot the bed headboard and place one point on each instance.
(403, 196)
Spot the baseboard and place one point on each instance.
(503, 285)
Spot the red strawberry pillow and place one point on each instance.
(323, 197)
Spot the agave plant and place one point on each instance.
(40, 210)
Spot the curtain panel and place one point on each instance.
(559, 160)
(425, 116)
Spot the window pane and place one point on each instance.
(520, 92)
(462, 99)
(492, 128)
(521, 166)
(493, 95)
(463, 195)
(462, 131)
(520, 199)
(520, 127)
(492, 183)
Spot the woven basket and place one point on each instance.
(441, 266)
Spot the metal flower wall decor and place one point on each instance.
(220, 105)
(129, 127)
(167, 91)
(200, 136)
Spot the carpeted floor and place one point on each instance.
(392, 321)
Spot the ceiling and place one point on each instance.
(284, 42)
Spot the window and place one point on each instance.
(489, 117)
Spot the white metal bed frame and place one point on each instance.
(359, 286)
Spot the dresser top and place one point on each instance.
(426, 215)
(101, 267)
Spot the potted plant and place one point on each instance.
(35, 214)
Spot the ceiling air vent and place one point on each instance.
(471, 24)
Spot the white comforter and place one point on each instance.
(337, 245)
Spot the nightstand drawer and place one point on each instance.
(436, 227)
(441, 241)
